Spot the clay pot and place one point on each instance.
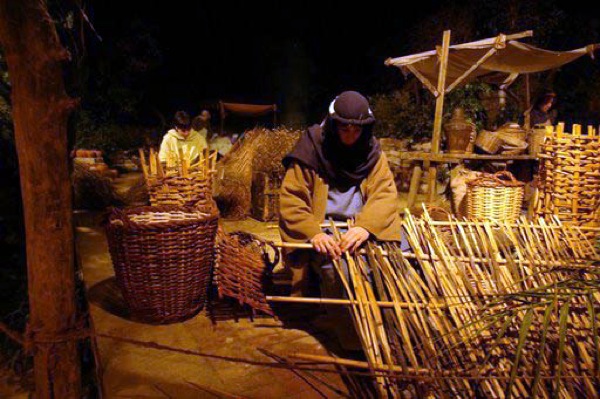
(459, 132)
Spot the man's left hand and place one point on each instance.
(353, 238)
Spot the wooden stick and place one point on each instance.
(345, 302)
(423, 80)
(469, 71)
(143, 163)
(152, 162)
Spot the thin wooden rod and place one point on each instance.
(423, 373)
(435, 258)
(423, 80)
(336, 301)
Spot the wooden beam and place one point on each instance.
(439, 113)
(423, 80)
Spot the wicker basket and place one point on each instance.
(511, 132)
(488, 142)
(163, 259)
(498, 197)
(179, 190)
(243, 269)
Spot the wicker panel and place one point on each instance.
(242, 271)
(163, 259)
(498, 197)
(569, 186)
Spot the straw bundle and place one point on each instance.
(570, 176)
(259, 150)
(483, 318)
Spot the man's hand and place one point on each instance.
(353, 239)
(325, 244)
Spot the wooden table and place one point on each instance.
(428, 157)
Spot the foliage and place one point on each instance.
(107, 135)
(400, 115)
(469, 97)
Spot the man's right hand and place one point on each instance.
(325, 244)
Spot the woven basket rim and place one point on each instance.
(495, 181)
(122, 215)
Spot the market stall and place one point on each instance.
(498, 60)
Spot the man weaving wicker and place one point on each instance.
(337, 170)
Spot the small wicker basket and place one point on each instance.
(179, 190)
(488, 142)
(495, 197)
(163, 259)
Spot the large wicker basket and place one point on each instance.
(495, 197)
(163, 259)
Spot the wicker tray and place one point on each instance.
(163, 259)
(488, 142)
(495, 197)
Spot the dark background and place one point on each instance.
(300, 54)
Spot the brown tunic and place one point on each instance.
(302, 209)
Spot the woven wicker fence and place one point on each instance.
(569, 181)
(163, 259)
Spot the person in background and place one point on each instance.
(201, 124)
(181, 137)
(219, 142)
(337, 170)
(540, 113)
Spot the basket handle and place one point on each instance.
(505, 174)
(503, 178)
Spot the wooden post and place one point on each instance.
(40, 111)
(439, 112)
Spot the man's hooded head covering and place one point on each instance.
(320, 147)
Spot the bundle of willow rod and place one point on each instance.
(509, 310)
(570, 175)
(180, 180)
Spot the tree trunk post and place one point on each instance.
(41, 108)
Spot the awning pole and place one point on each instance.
(439, 112)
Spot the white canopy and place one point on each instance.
(496, 60)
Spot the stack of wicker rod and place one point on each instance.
(179, 180)
(452, 323)
(570, 176)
